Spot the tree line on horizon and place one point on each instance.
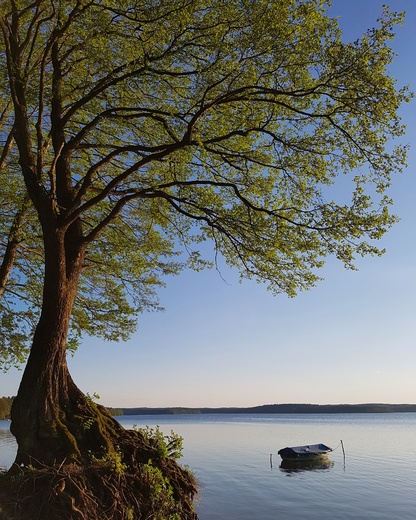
(301, 408)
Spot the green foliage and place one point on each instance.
(5, 407)
(151, 129)
(160, 493)
(19, 300)
(112, 460)
(92, 398)
(165, 445)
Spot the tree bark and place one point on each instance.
(52, 420)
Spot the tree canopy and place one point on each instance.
(172, 124)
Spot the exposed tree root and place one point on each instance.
(142, 482)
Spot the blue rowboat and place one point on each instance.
(308, 452)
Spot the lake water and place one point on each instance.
(230, 456)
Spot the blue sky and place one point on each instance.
(352, 339)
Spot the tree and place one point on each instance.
(133, 130)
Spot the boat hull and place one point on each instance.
(307, 452)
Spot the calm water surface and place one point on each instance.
(230, 456)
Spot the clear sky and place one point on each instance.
(352, 339)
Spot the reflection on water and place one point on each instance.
(6, 438)
(296, 466)
(7, 445)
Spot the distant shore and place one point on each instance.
(278, 408)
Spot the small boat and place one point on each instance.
(311, 451)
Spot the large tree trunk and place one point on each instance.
(51, 418)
